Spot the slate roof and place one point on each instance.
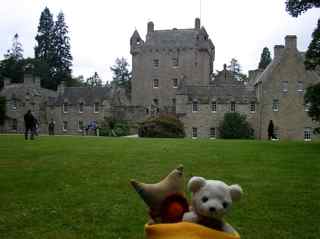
(21, 91)
(89, 96)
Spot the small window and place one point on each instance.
(212, 133)
(156, 63)
(14, 125)
(80, 125)
(213, 106)
(81, 107)
(14, 104)
(65, 107)
(284, 86)
(65, 126)
(300, 86)
(194, 132)
(195, 107)
(275, 105)
(233, 107)
(307, 134)
(307, 107)
(156, 102)
(175, 62)
(175, 83)
(252, 107)
(96, 107)
(155, 83)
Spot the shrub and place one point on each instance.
(235, 126)
(114, 128)
(163, 126)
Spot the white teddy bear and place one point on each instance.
(211, 200)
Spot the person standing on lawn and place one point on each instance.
(271, 130)
(29, 123)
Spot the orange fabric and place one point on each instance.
(185, 230)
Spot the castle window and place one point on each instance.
(307, 107)
(81, 107)
(194, 132)
(307, 134)
(212, 133)
(65, 107)
(147, 111)
(156, 63)
(14, 125)
(213, 106)
(284, 86)
(195, 107)
(275, 105)
(65, 126)
(175, 83)
(233, 107)
(175, 62)
(80, 125)
(300, 86)
(155, 83)
(252, 107)
(14, 104)
(96, 107)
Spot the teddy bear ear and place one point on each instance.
(236, 192)
(195, 183)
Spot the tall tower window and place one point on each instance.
(175, 83)
(195, 106)
(213, 106)
(252, 107)
(156, 63)
(155, 83)
(194, 132)
(275, 105)
(233, 107)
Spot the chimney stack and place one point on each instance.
(291, 42)
(150, 27)
(197, 23)
(278, 50)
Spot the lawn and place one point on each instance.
(78, 187)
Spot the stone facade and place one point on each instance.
(173, 72)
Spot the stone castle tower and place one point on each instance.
(166, 59)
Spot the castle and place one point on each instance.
(173, 72)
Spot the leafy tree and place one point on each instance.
(94, 81)
(44, 51)
(312, 57)
(296, 7)
(121, 74)
(62, 57)
(235, 68)
(312, 98)
(2, 110)
(235, 126)
(265, 58)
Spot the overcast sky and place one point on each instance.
(100, 30)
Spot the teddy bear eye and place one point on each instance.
(225, 204)
(204, 199)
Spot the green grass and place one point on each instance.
(78, 187)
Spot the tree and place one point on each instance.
(121, 74)
(62, 58)
(94, 81)
(235, 68)
(265, 58)
(312, 57)
(16, 51)
(312, 100)
(296, 7)
(235, 126)
(44, 51)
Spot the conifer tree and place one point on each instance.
(62, 53)
(312, 57)
(296, 7)
(265, 58)
(121, 74)
(94, 81)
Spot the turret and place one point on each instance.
(135, 42)
(197, 23)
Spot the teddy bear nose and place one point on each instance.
(212, 209)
